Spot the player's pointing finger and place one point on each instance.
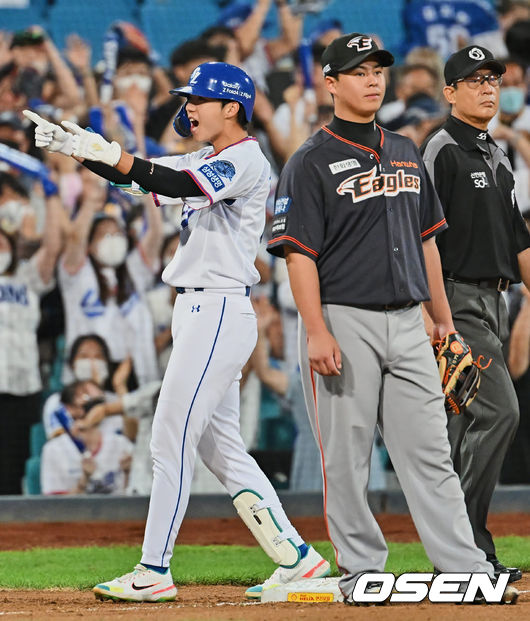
(35, 118)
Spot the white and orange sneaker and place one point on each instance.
(140, 585)
(311, 566)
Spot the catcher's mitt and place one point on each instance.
(459, 373)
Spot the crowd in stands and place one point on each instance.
(85, 319)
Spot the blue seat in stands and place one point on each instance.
(90, 20)
(168, 24)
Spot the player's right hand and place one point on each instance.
(50, 136)
(324, 353)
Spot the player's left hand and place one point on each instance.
(91, 146)
(324, 353)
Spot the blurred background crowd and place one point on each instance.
(85, 320)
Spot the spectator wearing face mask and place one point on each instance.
(423, 114)
(16, 214)
(139, 85)
(39, 71)
(103, 284)
(87, 458)
(411, 79)
(511, 127)
(89, 361)
(22, 283)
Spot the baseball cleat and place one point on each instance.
(140, 585)
(311, 566)
(499, 568)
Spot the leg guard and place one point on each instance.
(261, 523)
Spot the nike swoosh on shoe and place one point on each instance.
(141, 588)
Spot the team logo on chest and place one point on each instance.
(365, 185)
(480, 179)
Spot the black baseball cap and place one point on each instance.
(350, 50)
(465, 62)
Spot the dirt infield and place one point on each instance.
(226, 531)
(227, 602)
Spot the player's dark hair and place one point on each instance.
(89, 337)
(195, 49)
(241, 116)
(125, 283)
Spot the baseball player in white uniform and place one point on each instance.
(214, 325)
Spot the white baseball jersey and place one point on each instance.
(218, 246)
(19, 320)
(127, 329)
(61, 465)
(214, 332)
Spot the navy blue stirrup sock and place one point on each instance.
(304, 549)
(158, 569)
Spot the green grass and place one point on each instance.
(81, 568)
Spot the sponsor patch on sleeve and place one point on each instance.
(223, 168)
(282, 205)
(279, 225)
(212, 176)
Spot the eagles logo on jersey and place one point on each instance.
(224, 169)
(369, 184)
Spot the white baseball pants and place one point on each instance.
(198, 409)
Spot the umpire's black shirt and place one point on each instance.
(360, 212)
(474, 181)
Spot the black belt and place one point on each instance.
(386, 307)
(500, 284)
(189, 289)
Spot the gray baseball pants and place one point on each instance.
(389, 378)
(481, 436)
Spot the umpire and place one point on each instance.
(485, 248)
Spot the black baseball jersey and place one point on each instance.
(361, 214)
(474, 181)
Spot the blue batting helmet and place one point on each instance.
(216, 81)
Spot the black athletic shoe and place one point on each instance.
(499, 568)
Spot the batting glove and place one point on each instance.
(92, 146)
(50, 136)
